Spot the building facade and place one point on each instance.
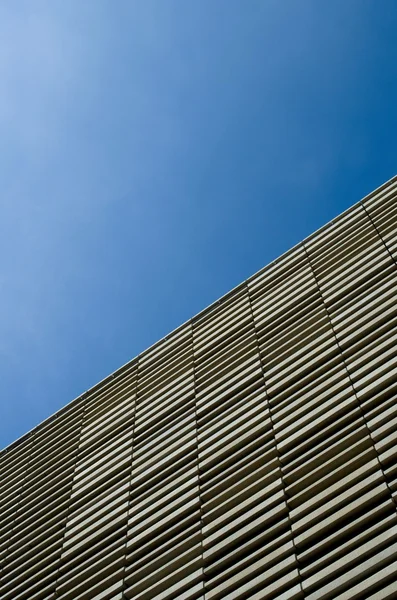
(250, 454)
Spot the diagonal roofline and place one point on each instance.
(130, 363)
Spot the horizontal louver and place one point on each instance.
(252, 454)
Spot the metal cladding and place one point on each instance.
(251, 454)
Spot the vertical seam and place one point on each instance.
(18, 502)
(131, 463)
(262, 366)
(347, 370)
(83, 417)
(378, 232)
(197, 454)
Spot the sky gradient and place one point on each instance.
(155, 154)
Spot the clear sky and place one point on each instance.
(153, 154)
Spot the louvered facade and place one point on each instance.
(250, 454)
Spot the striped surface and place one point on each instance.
(251, 454)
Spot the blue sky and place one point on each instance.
(153, 154)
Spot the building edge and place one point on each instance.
(119, 371)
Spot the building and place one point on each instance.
(250, 454)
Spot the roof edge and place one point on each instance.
(222, 299)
